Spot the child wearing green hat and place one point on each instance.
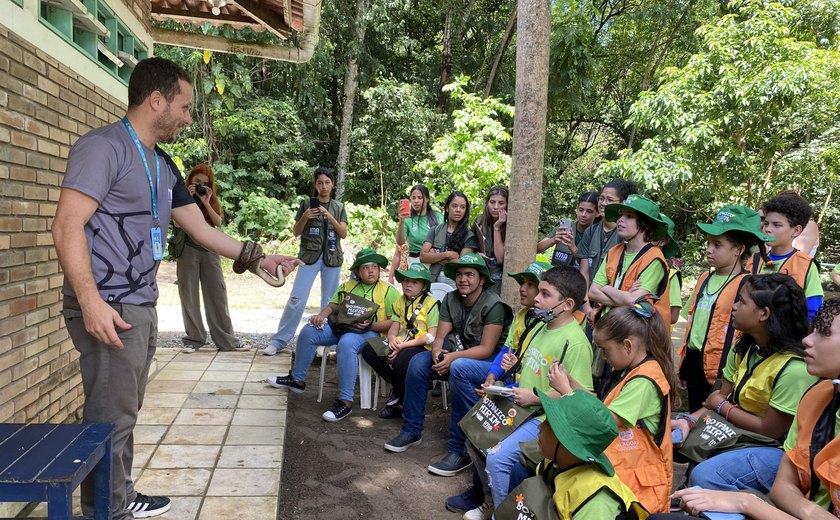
(577, 430)
(671, 251)
(331, 326)
(415, 320)
(636, 267)
(709, 334)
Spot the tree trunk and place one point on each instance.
(446, 62)
(529, 123)
(351, 84)
(502, 48)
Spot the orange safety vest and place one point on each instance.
(720, 333)
(644, 460)
(797, 266)
(648, 254)
(816, 403)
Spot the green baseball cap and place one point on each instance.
(641, 205)
(535, 270)
(736, 218)
(583, 425)
(469, 260)
(368, 255)
(416, 271)
(672, 248)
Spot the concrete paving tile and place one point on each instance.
(164, 400)
(174, 482)
(230, 365)
(255, 435)
(270, 457)
(195, 435)
(265, 402)
(183, 456)
(179, 375)
(260, 388)
(142, 452)
(218, 388)
(170, 387)
(210, 401)
(204, 416)
(224, 375)
(244, 482)
(196, 364)
(255, 508)
(253, 417)
(157, 415)
(183, 508)
(148, 434)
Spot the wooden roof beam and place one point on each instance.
(270, 19)
(184, 16)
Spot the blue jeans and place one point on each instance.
(349, 344)
(746, 468)
(293, 312)
(504, 457)
(465, 375)
(417, 380)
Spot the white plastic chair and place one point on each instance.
(439, 289)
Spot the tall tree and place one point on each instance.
(351, 84)
(529, 123)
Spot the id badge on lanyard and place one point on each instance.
(156, 235)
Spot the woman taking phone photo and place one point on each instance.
(198, 266)
(321, 223)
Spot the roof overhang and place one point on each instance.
(297, 20)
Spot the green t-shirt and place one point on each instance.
(813, 287)
(790, 385)
(602, 505)
(416, 228)
(547, 347)
(516, 328)
(651, 276)
(675, 289)
(639, 400)
(366, 291)
(703, 310)
(822, 497)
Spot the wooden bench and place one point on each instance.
(46, 462)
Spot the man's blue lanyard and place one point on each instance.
(153, 188)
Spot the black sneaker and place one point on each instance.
(287, 382)
(402, 442)
(145, 506)
(392, 399)
(338, 412)
(466, 501)
(391, 412)
(450, 465)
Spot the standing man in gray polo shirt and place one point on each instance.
(118, 195)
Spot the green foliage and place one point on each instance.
(395, 130)
(472, 155)
(370, 227)
(261, 216)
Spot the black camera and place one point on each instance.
(200, 189)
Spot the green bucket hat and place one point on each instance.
(583, 425)
(368, 255)
(416, 271)
(468, 260)
(672, 248)
(736, 218)
(642, 205)
(535, 270)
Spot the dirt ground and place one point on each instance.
(341, 470)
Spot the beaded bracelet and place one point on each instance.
(720, 405)
(731, 406)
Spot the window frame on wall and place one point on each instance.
(94, 30)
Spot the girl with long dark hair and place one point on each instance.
(450, 239)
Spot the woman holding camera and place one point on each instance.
(321, 223)
(197, 265)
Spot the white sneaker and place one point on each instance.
(482, 512)
(189, 349)
(244, 345)
(273, 349)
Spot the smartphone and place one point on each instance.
(314, 202)
(565, 224)
(440, 357)
(405, 207)
(677, 436)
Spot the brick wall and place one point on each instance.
(44, 108)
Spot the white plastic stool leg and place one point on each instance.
(324, 350)
(364, 383)
(444, 386)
